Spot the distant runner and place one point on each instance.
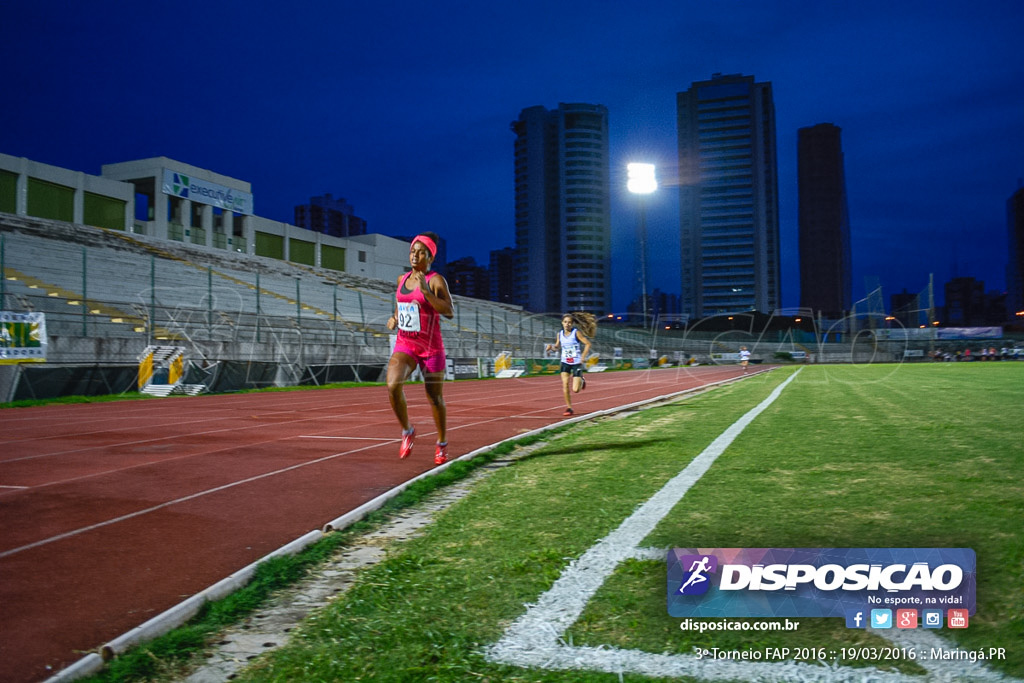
(577, 328)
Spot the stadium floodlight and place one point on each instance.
(641, 180)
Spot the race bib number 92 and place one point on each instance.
(408, 316)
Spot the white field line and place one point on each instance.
(535, 638)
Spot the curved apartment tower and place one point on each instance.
(562, 209)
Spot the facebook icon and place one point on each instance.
(855, 618)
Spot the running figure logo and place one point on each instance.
(695, 580)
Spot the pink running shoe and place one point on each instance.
(406, 448)
(441, 454)
(568, 412)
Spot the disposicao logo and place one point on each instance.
(818, 582)
(696, 581)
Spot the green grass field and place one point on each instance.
(848, 456)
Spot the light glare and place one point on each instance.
(641, 178)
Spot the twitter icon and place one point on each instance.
(881, 618)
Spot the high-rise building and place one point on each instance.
(1015, 254)
(502, 269)
(826, 278)
(466, 278)
(728, 197)
(966, 305)
(329, 216)
(562, 209)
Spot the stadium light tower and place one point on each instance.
(641, 181)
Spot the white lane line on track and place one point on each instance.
(539, 414)
(193, 496)
(178, 436)
(617, 380)
(351, 438)
(234, 412)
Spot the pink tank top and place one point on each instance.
(419, 325)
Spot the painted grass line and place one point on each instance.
(536, 638)
(533, 639)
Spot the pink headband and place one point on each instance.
(427, 242)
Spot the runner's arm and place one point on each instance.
(437, 295)
(586, 346)
(393, 320)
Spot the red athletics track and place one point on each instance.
(111, 513)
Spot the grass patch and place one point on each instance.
(69, 400)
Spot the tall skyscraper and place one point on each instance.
(728, 197)
(1015, 254)
(826, 278)
(562, 209)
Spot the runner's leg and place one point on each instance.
(435, 393)
(400, 367)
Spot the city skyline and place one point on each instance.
(405, 111)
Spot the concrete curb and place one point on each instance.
(366, 508)
(86, 666)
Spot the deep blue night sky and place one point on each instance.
(403, 108)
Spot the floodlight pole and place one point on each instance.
(3, 276)
(642, 231)
(642, 181)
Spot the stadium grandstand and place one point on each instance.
(157, 306)
(242, 321)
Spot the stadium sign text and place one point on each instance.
(187, 187)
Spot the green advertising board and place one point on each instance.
(22, 337)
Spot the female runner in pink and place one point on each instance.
(422, 298)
